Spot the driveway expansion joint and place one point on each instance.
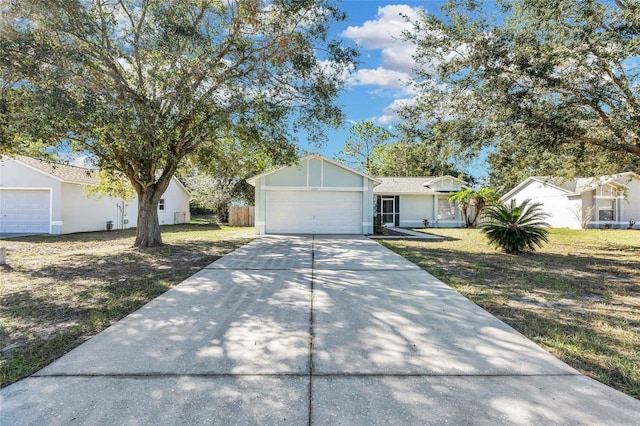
(311, 330)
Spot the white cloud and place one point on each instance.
(385, 34)
(390, 113)
(385, 31)
(379, 77)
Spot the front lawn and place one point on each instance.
(58, 291)
(578, 297)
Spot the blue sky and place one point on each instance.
(378, 85)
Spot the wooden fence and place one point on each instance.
(241, 216)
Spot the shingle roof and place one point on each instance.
(66, 173)
(404, 185)
(580, 184)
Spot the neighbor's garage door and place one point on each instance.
(24, 211)
(314, 212)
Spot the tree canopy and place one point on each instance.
(359, 148)
(533, 76)
(141, 84)
(419, 151)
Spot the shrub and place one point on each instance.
(515, 228)
(377, 224)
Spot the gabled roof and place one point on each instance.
(254, 179)
(69, 174)
(61, 172)
(574, 186)
(411, 185)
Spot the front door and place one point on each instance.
(388, 211)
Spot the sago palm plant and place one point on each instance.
(515, 228)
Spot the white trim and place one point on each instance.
(321, 172)
(367, 223)
(393, 210)
(19, 188)
(316, 188)
(260, 223)
(391, 194)
(429, 183)
(57, 223)
(308, 173)
(413, 220)
(51, 209)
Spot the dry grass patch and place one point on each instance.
(578, 296)
(57, 291)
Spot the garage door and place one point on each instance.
(24, 211)
(313, 212)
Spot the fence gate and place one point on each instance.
(241, 215)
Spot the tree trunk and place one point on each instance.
(148, 228)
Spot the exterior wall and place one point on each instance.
(260, 207)
(554, 202)
(85, 214)
(176, 205)
(414, 209)
(18, 176)
(368, 206)
(314, 174)
(631, 204)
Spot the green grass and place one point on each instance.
(578, 296)
(58, 291)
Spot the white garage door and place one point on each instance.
(313, 212)
(24, 211)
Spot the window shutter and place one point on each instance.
(378, 204)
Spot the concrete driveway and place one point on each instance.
(311, 330)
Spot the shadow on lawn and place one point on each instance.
(569, 303)
(570, 340)
(113, 235)
(571, 272)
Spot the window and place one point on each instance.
(161, 204)
(606, 210)
(446, 210)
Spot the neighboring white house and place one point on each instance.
(598, 201)
(314, 196)
(408, 201)
(42, 197)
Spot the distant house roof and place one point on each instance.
(576, 185)
(62, 172)
(410, 185)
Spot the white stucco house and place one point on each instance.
(407, 201)
(321, 196)
(42, 197)
(601, 201)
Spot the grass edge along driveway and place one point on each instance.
(57, 291)
(578, 297)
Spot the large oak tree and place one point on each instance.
(533, 76)
(140, 84)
